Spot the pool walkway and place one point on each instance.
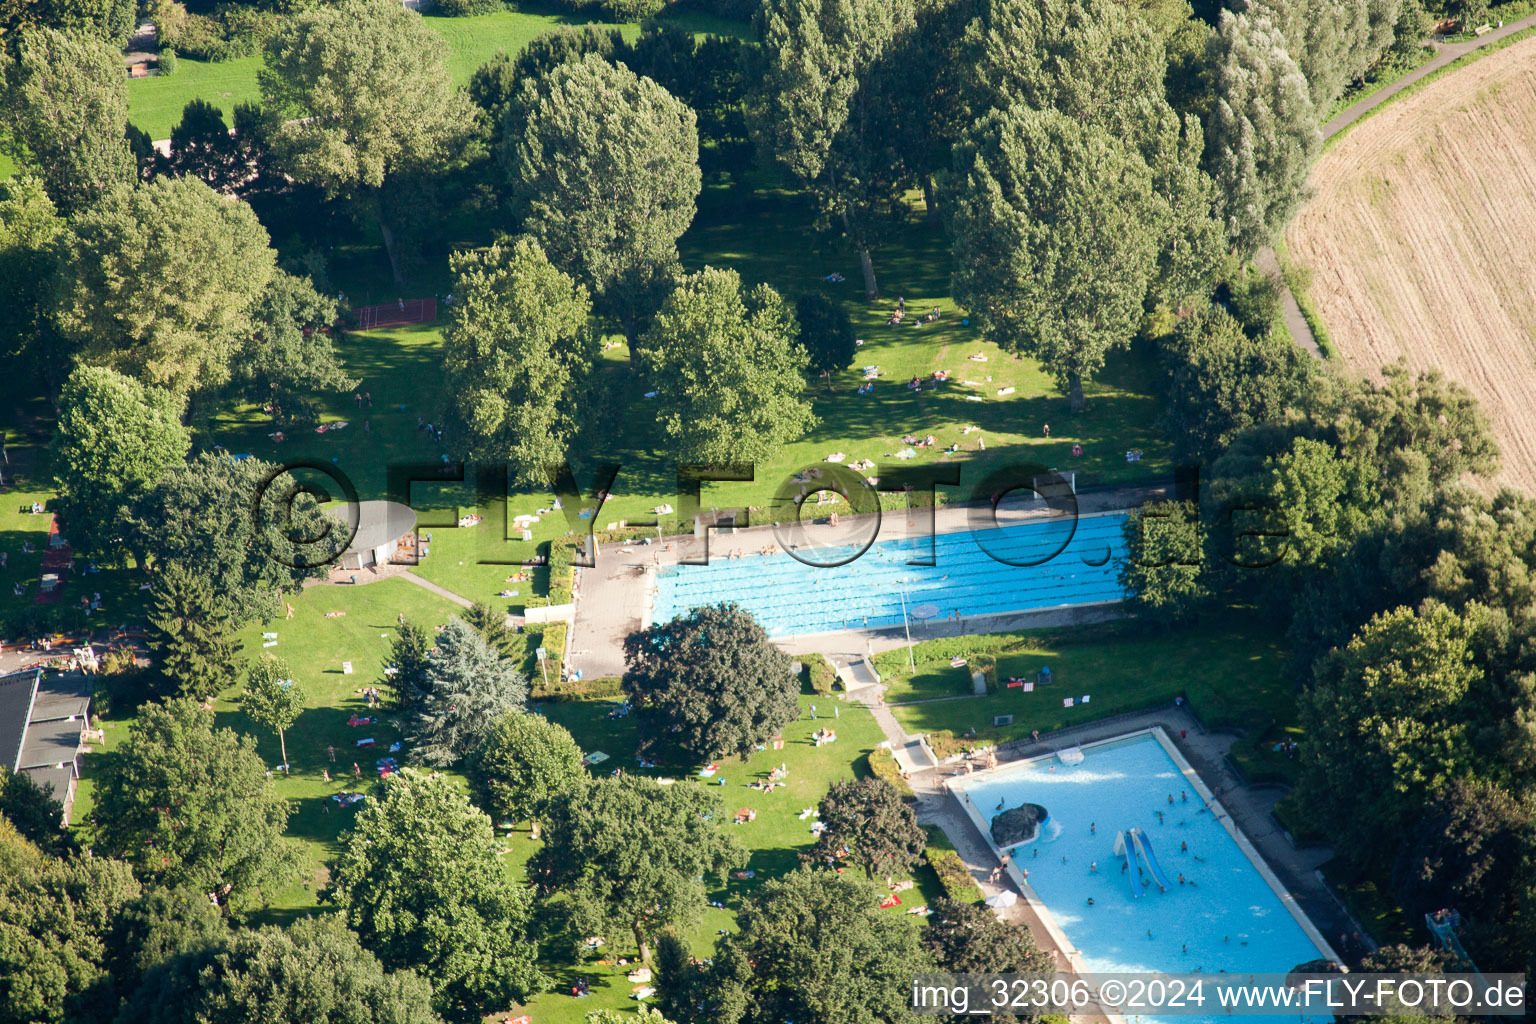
(1206, 751)
(613, 597)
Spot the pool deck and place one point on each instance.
(1250, 808)
(613, 598)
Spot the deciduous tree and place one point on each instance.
(710, 682)
(826, 334)
(66, 106)
(57, 916)
(627, 854)
(728, 369)
(823, 105)
(1261, 135)
(1053, 252)
(115, 437)
(314, 970)
(202, 146)
(815, 947)
(1383, 729)
(188, 804)
(518, 351)
(522, 763)
(868, 819)
(1164, 571)
(456, 916)
(366, 92)
(159, 282)
(603, 166)
(272, 697)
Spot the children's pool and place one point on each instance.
(1223, 916)
(789, 597)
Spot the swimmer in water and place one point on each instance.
(1159, 817)
(1093, 867)
(1181, 879)
(1093, 829)
(1149, 933)
(1090, 901)
(1170, 798)
(1184, 847)
(1183, 796)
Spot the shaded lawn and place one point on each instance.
(1235, 673)
(155, 104)
(767, 236)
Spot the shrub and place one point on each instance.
(819, 673)
(882, 764)
(166, 65)
(463, 8)
(230, 31)
(606, 688)
(946, 863)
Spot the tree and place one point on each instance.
(518, 352)
(66, 105)
(603, 167)
(34, 813)
(626, 853)
(728, 368)
(491, 624)
(1322, 500)
(202, 146)
(966, 938)
(109, 21)
(1163, 571)
(290, 354)
(869, 819)
(1474, 849)
(820, 951)
(1220, 381)
(1261, 135)
(1053, 254)
(365, 92)
(272, 698)
(163, 924)
(29, 224)
(710, 682)
(1383, 728)
(187, 804)
(522, 763)
(471, 687)
(1332, 42)
(1103, 66)
(826, 334)
(495, 84)
(314, 970)
(115, 437)
(455, 916)
(411, 658)
(191, 634)
(159, 281)
(244, 526)
(57, 918)
(823, 102)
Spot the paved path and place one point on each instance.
(1250, 807)
(462, 602)
(1446, 53)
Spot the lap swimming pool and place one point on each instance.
(789, 597)
(1220, 913)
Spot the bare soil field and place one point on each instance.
(1421, 241)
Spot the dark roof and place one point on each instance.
(55, 779)
(16, 692)
(65, 696)
(50, 743)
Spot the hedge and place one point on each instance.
(819, 673)
(882, 764)
(606, 688)
(947, 865)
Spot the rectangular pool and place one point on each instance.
(1225, 915)
(790, 597)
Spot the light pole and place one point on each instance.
(906, 624)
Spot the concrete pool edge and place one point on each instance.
(956, 787)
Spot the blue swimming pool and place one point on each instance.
(1224, 916)
(789, 597)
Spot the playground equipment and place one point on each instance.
(1136, 848)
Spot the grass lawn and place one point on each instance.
(766, 236)
(155, 104)
(1233, 673)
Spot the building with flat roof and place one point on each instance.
(42, 729)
